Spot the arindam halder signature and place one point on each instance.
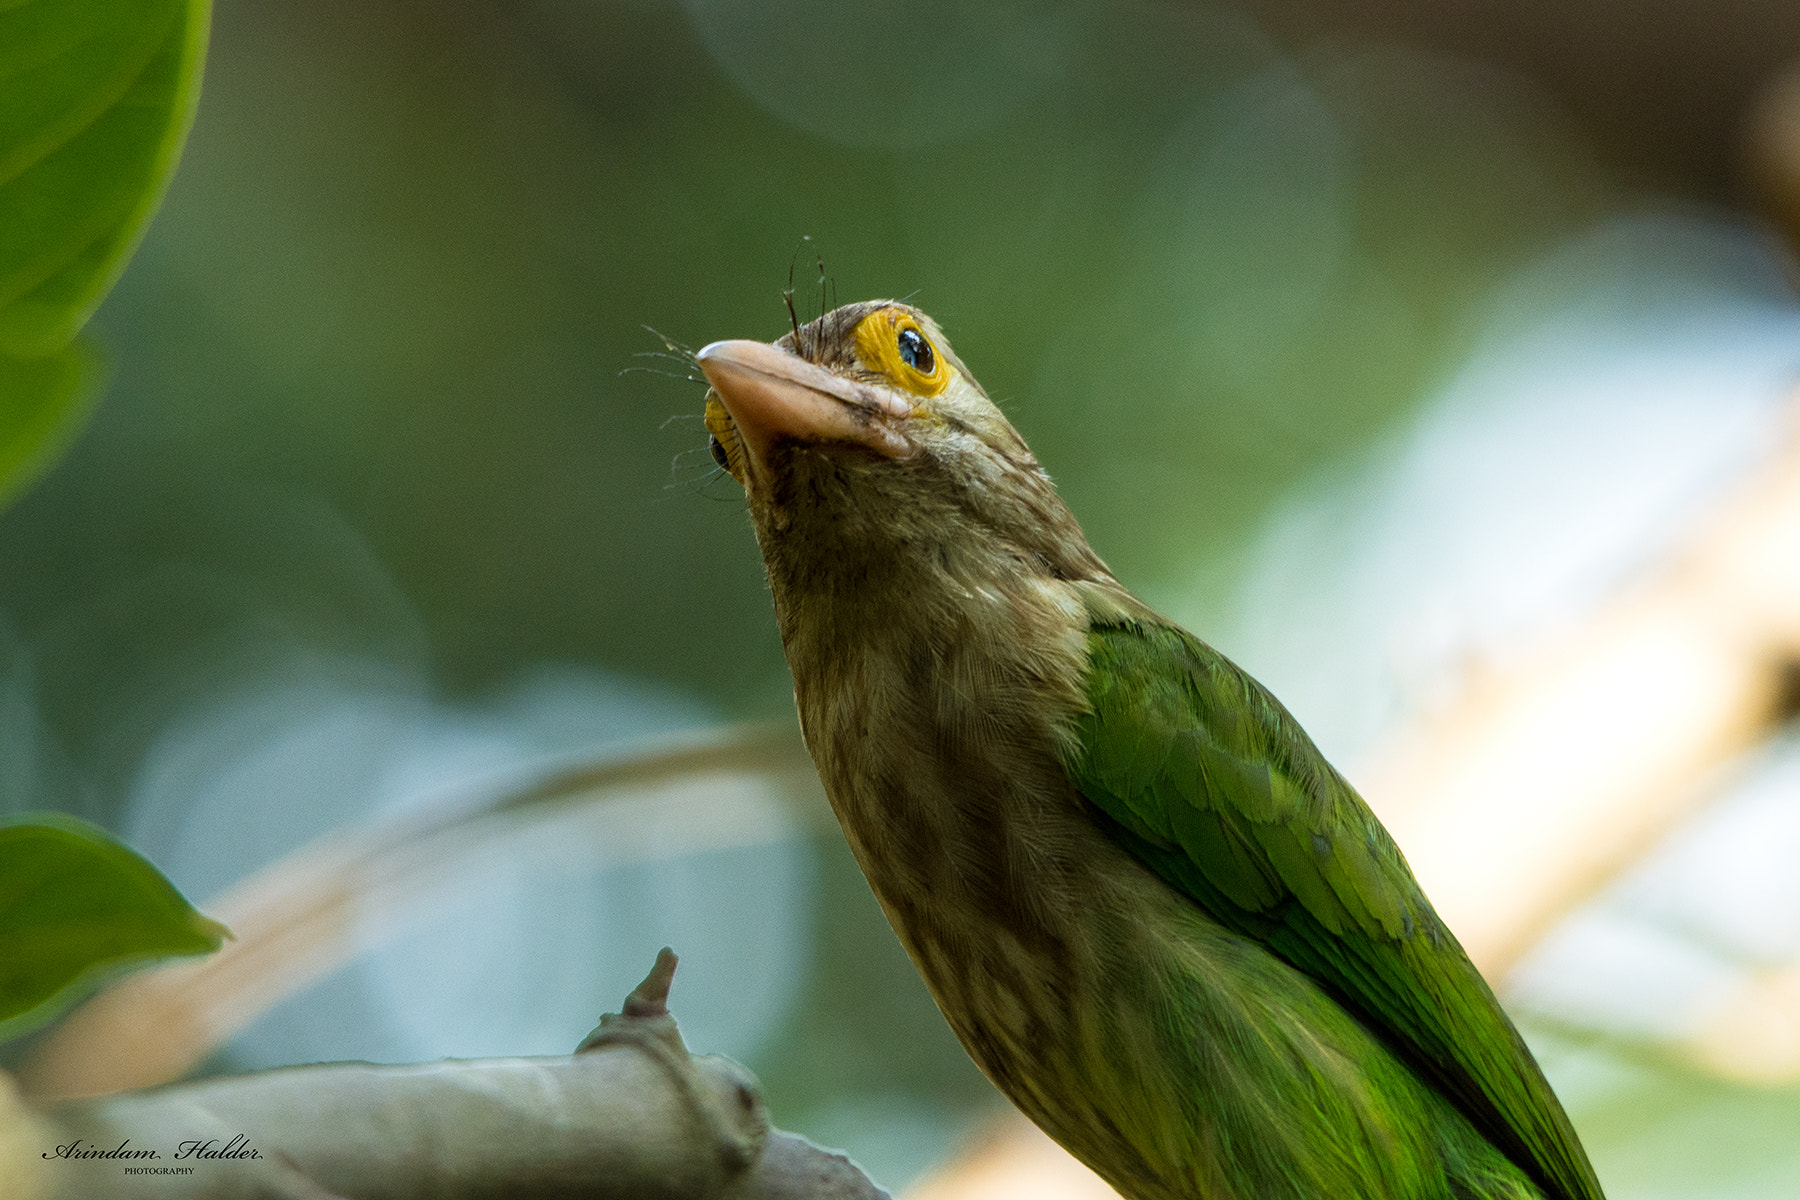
(238, 1147)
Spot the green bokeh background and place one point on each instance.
(411, 251)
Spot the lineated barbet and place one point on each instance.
(1153, 913)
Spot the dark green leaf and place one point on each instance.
(46, 401)
(75, 901)
(96, 97)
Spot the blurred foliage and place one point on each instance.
(412, 251)
(1659, 1130)
(95, 100)
(75, 901)
(43, 401)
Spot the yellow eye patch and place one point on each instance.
(891, 341)
(726, 444)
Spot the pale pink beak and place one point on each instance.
(774, 395)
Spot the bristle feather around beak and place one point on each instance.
(772, 395)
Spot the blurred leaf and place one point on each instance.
(96, 97)
(46, 400)
(74, 900)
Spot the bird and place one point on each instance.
(1155, 916)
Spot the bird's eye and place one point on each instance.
(891, 341)
(915, 351)
(718, 451)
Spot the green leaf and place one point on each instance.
(96, 97)
(46, 401)
(75, 901)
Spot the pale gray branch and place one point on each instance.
(630, 1115)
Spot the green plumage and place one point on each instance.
(1154, 915)
(1206, 778)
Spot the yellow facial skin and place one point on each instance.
(887, 338)
(727, 446)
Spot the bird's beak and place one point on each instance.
(773, 395)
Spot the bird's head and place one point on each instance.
(861, 435)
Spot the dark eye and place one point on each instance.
(718, 452)
(915, 352)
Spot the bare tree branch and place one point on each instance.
(630, 1115)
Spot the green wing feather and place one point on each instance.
(1206, 778)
